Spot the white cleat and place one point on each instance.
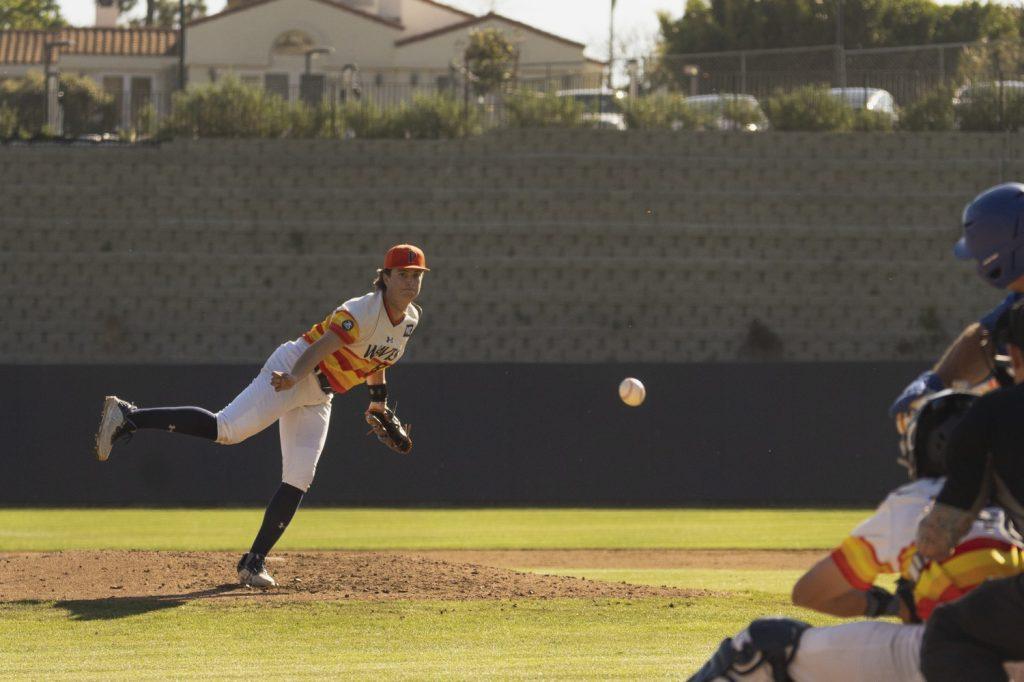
(252, 571)
(114, 425)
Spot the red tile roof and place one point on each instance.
(26, 47)
(476, 20)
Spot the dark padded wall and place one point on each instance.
(728, 434)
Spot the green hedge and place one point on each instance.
(808, 108)
(87, 109)
(990, 109)
(663, 111)
(529, 109)
(933, 111)
(230, 108)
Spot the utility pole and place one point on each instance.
(840, 47)
(611, 46)
(181, 44)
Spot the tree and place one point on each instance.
(164, 13)
(30, 14)
(713, 25)
(491, 59)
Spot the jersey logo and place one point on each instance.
(347, 325)
(381, 353)
(408, 330)
(389, 340)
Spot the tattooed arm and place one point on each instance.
(941, 530)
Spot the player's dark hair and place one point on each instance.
(379, 282)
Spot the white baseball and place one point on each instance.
(632, 392)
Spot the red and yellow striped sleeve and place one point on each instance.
(973, 562)
(344, 325)
(858, 562)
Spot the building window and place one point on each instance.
(378, 80)
(142, 96)
(114, 86)
(414, 79)
(277, 83)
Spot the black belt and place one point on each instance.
(325, 385)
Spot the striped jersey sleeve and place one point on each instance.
(872, 548)
(858, 562)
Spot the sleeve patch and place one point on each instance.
(343, 324)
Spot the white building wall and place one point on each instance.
(422, 17)
(244, 40)
(534, 48)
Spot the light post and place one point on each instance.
(840, 48)
(692, 70)
(181, 44)
(53, 121)
(611, 46)
(307, 91)
(313, 53)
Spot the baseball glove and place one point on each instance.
(389, 430)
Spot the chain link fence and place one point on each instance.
(969, 86)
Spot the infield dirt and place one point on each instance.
(364, 576)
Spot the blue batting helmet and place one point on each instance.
(994, 234)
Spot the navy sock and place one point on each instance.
(277, 517)
(195, 421)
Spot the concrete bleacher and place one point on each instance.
(546, 246)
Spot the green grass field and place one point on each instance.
(562, 639)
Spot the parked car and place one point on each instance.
(989, 105)
(965, 94)
(870, 99)
(731, 111)
(602, 106)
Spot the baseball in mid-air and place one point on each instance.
(632, 392)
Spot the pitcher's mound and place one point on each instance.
(77, 575)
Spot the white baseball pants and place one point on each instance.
(304, 413)
(860, 651)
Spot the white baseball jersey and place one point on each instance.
(372, 341)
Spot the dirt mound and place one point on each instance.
(78, 575)
(731, 559)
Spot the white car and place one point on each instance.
(718, 104)
(602, 106)
(1011, 90)
(870, 99)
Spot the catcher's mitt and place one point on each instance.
(389, 430)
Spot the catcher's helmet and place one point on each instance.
(994, 234)
(923, 443)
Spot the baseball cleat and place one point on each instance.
(114, 425)
(252, 571)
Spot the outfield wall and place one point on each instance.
(547, 246)
(819, 266)
(726, 434)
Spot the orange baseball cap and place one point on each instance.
(405, 257)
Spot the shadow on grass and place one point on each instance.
(112, 608)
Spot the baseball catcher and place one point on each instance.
(842, 583)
